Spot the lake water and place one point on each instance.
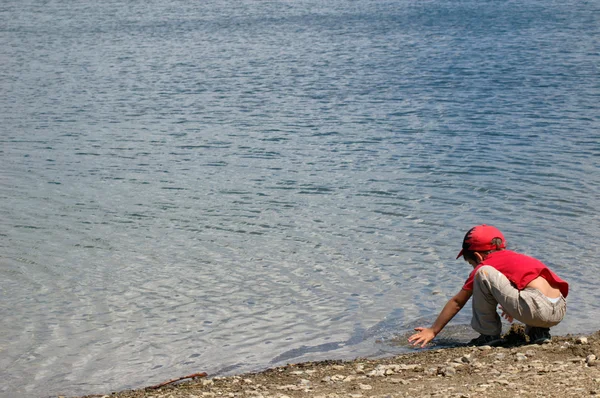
(229, 185)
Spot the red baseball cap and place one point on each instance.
(480, 238)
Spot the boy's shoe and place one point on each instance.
(484, 339)
(538, 335)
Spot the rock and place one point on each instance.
(590, 360)
(464, 359)
(500, 356)
(484, 348)
(581, 340)
(431, 371)
(349, 379)
(378, 372)
(289, 387)
(304, 383)
(337, 377)
(520, 357)
(448, 371)
(365, 386)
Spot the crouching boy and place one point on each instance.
(524, 287)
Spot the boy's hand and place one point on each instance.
(506, 315)
(424, 336)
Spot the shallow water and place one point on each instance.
(223, 186)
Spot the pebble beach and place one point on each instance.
(565, 367)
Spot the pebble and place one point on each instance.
(581, 340)
(521, 357)
(304, 383)
(431, 371)
(365, 387)
(590, 360)
(447, 371)
(377, 372)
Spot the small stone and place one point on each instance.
(431, 371)
(590, 360)
(521, 357)
(378, 372)
(365, 386)
(502, 382)
(208, 382)
(485, 348)
(500, 356)
(288, 387)
(338, 377)
(349, 379)
(581, 340)
(447, 371)
(304, 383)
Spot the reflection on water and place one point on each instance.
(223, 186)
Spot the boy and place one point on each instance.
(524, 288)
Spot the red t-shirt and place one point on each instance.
(519, 269)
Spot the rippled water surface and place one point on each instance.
(224, 186)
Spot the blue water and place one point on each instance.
(225, 186)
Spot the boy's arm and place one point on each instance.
(455, 304)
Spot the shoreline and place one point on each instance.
(565, 367)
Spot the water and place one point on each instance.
(224, 186)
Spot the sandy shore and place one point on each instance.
(565, 367)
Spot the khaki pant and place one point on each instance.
(529, 305)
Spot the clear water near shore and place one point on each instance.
(223, 186)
